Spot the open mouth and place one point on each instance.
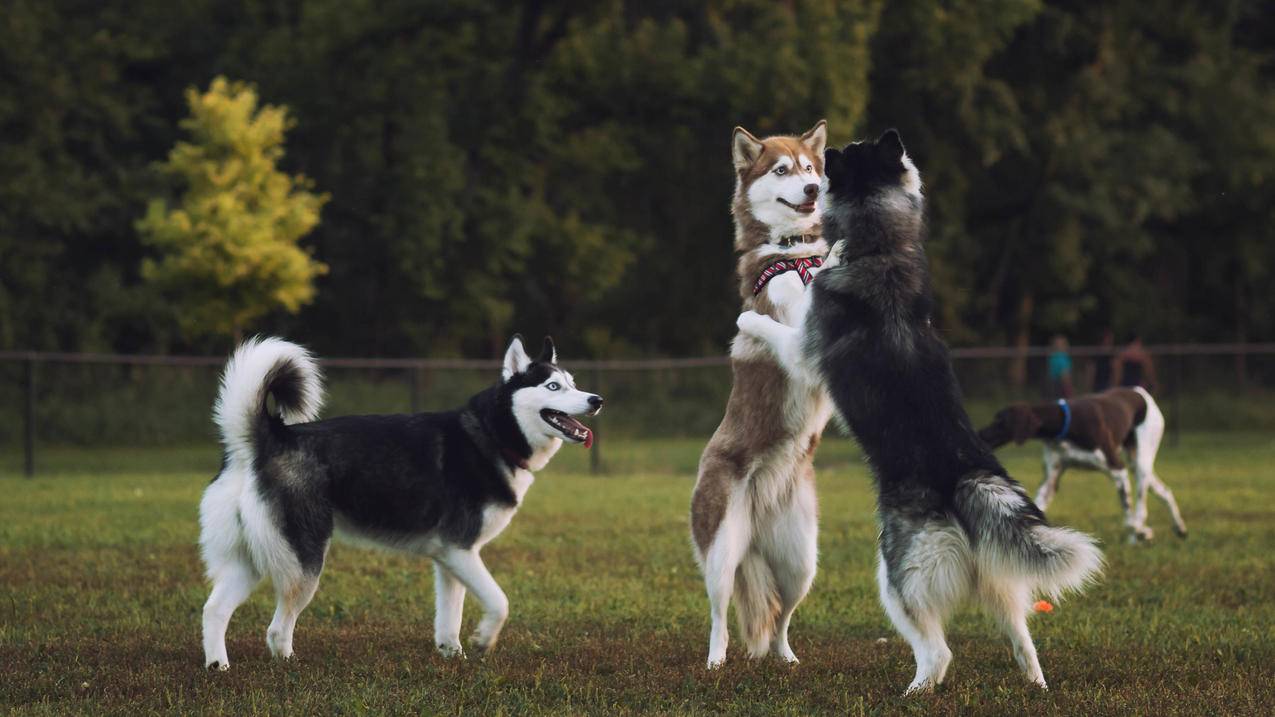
(568, 426)
(806, 207)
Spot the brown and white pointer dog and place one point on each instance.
(1089, 432)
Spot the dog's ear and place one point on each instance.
(1023, 423)
(549, 353)
(516, 359)
(890, 146)
(817, 137)
(744, 149)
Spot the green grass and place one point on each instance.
(100, 597)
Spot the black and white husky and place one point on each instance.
(436, 484)
(953, 525)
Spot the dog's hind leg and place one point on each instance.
(1146, 445)
(1009, 603)
(233, 581)
(922, 628)
(449, 603)
(292, 595)
(468, 567)
(1053, 466)
(792, 551)
(227, 562)
(721, 561)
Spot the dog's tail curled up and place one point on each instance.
(1012, 539)
(260, 368)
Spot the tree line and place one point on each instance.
(563, 166)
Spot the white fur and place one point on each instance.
(242, 391)
(239, 539)
(782, 220)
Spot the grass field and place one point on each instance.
(100, 597)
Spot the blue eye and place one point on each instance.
(781, 170)
(553, 386)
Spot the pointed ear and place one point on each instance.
(817, 138)
(744, 149)
(548, 354)
(516, 359)
(890, 145)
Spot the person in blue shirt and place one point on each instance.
(1059, 367)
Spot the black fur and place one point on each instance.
(889, 373)
(391, 476)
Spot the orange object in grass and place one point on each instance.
(1043, 606)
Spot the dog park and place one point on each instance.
(705, 358)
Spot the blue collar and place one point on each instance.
(1062, 403)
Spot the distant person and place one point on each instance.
(1100, 367)
(1133, 366)
(1059, 365)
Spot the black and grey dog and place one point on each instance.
(435, 484)
(954, 527)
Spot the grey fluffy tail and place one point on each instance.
(1012, 539)
(259, 368)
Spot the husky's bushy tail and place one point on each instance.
(1011, 539)
(757, 603)
(263, 367)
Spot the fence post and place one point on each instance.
(414, 379)
(29, 418)
(595, 454)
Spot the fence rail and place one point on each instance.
(653, 389)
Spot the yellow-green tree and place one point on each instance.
(228, 248)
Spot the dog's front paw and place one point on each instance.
(751, 322)
(450, 651)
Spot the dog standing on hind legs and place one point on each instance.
(954, 526)
(439, 485)
(754, 511)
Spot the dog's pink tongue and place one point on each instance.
(588, 439)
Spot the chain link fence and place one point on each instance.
(94, 404)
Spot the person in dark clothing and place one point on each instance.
(1100, 367)
(1133, 366)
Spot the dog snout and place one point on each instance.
(595, 403)
(811, 190)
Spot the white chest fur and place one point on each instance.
(496, 517)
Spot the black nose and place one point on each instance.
(595, 401)
(812, 190)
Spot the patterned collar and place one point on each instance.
(802, 266)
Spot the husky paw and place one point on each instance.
(715, 663)
(450, 651)
(218, 666)
(751, 322)
(919, 687)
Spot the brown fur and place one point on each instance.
(1102, 421)
(751, 425)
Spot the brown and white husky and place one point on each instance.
(754, 513)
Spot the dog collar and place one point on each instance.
(1066, 409)
(802, 266)
(789, 241)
